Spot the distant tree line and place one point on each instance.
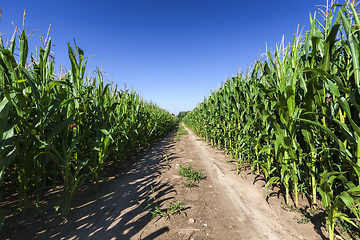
(182, 114)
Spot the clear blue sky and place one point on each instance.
(173, 52)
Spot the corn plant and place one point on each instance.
(295, 115)
(61, 131)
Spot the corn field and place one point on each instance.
(295, 116)
(59, 131)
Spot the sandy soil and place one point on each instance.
(224, 205)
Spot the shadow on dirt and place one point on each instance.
(157, 233)
(277, 191)
(116, 212)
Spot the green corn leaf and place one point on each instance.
(13, 43)
(265, 149)
(7, 151)
(354, 44)
(345, 106)
(4, 111)
(10, 63)
(31, 82)
(355, 167)
(290, 99)
(272, 180)
(333, 88)
(68, 100)
(64, 124)
(55, 83)
(345, 217)
(1, 43)
(107, 134)
(74, 142)
(354, 191)
(353, 101)
(47, 51)
(20, 81)
(345, 130)
(112, 107)
(326, 194)
(347, 199)
(324, 128)
(23, 49)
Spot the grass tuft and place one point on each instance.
(191, 175)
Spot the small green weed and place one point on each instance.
(182, 132)
(181, 127)
(174, 207)
(306, 215)
(157, 212)
(303, 220)
(350, 231)
(188, 183)
(288, 208)
(191, 175)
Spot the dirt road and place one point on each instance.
(224, 205)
